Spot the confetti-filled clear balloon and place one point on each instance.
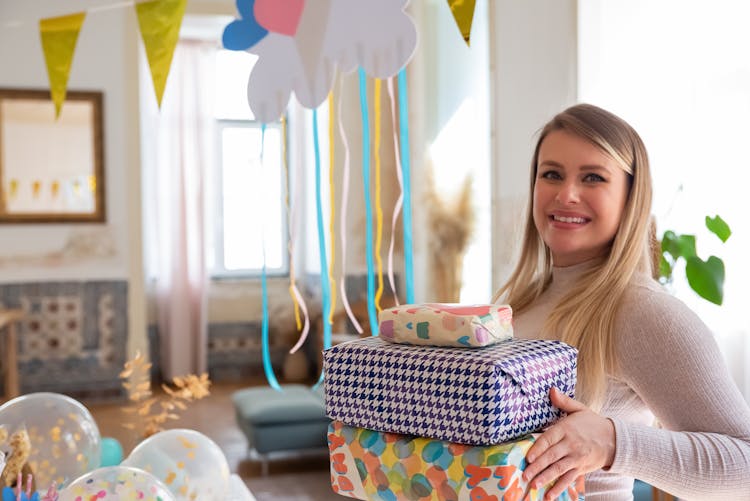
(65, 441)
(113, 483)
(188, 462)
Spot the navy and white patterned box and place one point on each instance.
(477, 396)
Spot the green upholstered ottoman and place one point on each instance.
(274, 421)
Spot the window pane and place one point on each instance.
(232, 71)
(253, 199)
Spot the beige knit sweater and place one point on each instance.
(670, 369)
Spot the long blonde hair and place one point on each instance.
(585, 317)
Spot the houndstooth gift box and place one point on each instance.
(478, 396)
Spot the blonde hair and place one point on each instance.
(585, 317)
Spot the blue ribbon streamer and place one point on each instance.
(368, 204)
(403, 121)
(267, 367)
(324, 283)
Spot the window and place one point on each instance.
(246, 197)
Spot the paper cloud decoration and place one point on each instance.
(307, 41)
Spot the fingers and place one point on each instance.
(549, 457)
(561, 485)
(546, 440)
(564, 402)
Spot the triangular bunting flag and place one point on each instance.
(159, 22)
(59, 36)
(463, 13)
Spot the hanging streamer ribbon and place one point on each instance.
(344, 209)
(400, 200)
(403, 121)
(325, 284)
(368, 206)
(267, 367)
(289, 225)
(332, 191)
(297, 299)
(378, 207)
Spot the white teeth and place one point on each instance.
(564, 219)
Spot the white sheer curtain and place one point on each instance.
(178, 147)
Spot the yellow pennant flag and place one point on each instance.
(159, 22)
(59, 36)
(463, 13)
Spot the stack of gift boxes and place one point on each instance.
(443, 405)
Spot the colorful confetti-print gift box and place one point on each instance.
(391, 467)
(436, 324)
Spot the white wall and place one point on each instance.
(104, 61)
(533, 74)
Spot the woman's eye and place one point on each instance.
(551, 174)
(593, 178)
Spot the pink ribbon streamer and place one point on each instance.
(344, 203)
(400, 200)
(292, 228)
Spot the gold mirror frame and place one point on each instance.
(72, 192)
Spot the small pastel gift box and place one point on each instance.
(381, 466)
(437, 324)
(478, 396)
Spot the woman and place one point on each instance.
(585, 278)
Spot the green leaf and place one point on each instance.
(706, 277)
(718, 227)
(665, 267)
(678, 245)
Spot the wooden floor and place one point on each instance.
(289, 479)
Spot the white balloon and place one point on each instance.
(65, 440)
(188, 462)
(113, 483)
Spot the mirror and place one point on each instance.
(51, 170)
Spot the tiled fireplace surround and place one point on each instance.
(74, 335)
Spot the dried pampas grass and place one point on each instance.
(450, 222)
(150, 414)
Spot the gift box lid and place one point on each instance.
(466, 395)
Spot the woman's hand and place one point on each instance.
(581, 442)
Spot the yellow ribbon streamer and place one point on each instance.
(463, 13)
(332, 191)
(159, 22)
(378, 207)
(59, 36)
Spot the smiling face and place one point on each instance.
(579, 198)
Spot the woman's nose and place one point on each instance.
(568, 193)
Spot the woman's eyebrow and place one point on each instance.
(595, 167)
(552, 163)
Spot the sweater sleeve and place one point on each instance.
(668, 356)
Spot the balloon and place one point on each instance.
(111, 452)
(65, 441)
(113, 483)
(188, 462)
